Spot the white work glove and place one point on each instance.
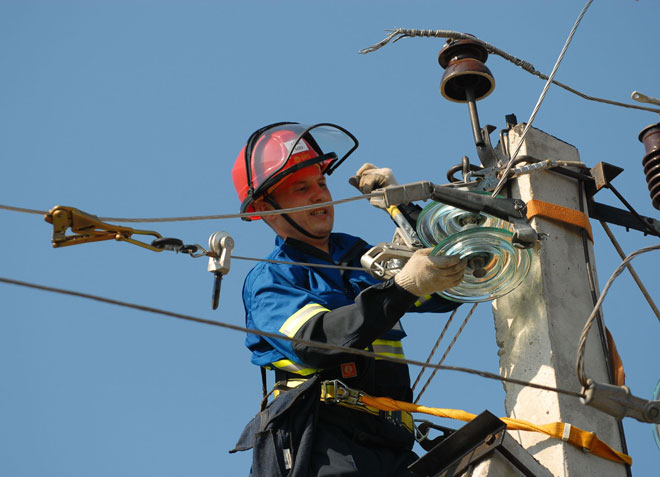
(424, 274)
(369, 178)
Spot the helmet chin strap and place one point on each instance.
(291, 222)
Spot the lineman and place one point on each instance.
(311, 426)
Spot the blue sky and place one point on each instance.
(134, 109)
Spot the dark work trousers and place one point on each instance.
(297, 436)
(352, 443)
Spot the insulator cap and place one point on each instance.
(464, 64)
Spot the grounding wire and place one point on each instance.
(540, 100)
(399, 33)
(581, 374)
(444, 356)
(630, 268)
(435, 347)
(315, 344)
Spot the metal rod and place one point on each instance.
(474, 117)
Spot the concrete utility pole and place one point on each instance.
(539, 324)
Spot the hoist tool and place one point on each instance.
(89, 228)
(618, 401)
(386, 259)
(221, 245)
(511, 210)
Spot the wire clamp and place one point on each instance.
(221, 244)
(89, 228)
(619, 402)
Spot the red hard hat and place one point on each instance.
(278, 150)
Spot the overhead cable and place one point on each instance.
(435, 347)
(315, 344)
(208, 217)
(303, 264)
(528, 125)
(581, 374)
(399, 33)
(630, 268)
(444, 356)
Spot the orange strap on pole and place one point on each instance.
(559, 213)
(587, 441)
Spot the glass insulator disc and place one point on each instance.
(494, 266)
(438, 221)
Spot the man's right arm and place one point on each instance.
(285, 306)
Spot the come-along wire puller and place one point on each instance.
(89, 228)
(221, 246)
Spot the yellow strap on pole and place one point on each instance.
(559, 213)
(587, 441)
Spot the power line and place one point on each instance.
(444, 356)
(399, 33)
(581, 373)
(208, 217)
(315, 344)
(528, 125)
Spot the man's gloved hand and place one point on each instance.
(369, 178)
(424, 274)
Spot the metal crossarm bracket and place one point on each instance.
(88, 228)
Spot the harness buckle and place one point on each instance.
(340, 393)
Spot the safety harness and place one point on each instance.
(336, 392)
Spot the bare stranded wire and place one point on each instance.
(399, 33)
(315, 344)
(580, 369)
(444, 356)
(435, 348)
(546, 86)
(208, 217)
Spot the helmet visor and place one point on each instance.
(286, 148)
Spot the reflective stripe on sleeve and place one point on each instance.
(291, 367)
(422, 300)
(392, 348)
(299, 318)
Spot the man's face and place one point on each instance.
(304, 187)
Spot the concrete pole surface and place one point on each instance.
(538, 325)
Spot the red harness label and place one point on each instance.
(348, 370)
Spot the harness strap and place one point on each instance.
(587, 441)
(336, 392)
(291, 222)
(559, 213)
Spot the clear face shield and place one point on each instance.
(274, 152)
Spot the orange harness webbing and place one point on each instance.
(588, 441)
(559, 213)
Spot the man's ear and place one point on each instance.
(263, 206)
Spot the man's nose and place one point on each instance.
(320, 194)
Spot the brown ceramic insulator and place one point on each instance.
(650, 137)
(464, 64)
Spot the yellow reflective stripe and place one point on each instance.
(392, 348)
(299, 318)
(291, 367)
(422, 300)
